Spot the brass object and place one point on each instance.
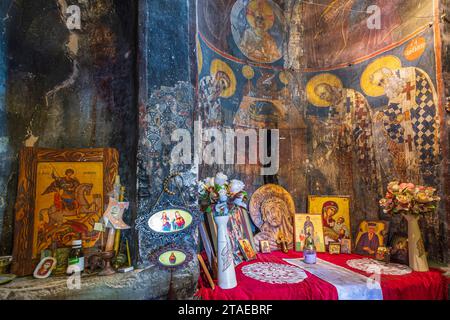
(108, 269)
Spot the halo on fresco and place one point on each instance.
(199, 55)
(389, 62)
(258, 28)
(219, 65)
(265, 194)
(323, 78)
(248, 72)
(285, 77)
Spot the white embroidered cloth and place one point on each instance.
(379, 267)
(349, 284)
(274, 273)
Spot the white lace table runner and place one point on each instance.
(349, 284)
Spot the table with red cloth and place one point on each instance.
(430, 285)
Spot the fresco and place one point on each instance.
(257, 29)
(382, 120)
(337, 32)
(363, 103)
(243, 83)
(389, 105)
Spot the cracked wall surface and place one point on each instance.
(69, 88)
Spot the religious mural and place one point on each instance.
(257, 29)
(383, 122)
(338, 32)
(371, 108)
(243, 83)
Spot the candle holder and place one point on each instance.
(108, 269)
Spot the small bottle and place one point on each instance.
(76, 258)
(309, 250)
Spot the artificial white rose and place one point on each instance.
(209, 182)
(220, 179)
(223, 197)
(236, 186)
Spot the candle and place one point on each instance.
(128, 254)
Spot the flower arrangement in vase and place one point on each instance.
(220, 197)
(411, 201)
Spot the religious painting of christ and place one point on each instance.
(69, 201)
(257, 28)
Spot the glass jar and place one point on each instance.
(309, 250)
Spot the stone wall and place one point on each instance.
(67, 88)
(166, 103)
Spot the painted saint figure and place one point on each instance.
(348, 142)
(408, 129)
(341, 229)
(179, 221)
(221, 83)
(329, 209)
(308, 227)
(172, 258)
(256, 42)
(166, 225)
(64, 189)
(45, 268)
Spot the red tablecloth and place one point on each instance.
(430, 285)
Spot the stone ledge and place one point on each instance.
(144, 284)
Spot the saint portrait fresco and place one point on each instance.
(255, 26)
(351, 115)
(219, 84)
(408, 127)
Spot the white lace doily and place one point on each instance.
(274, 273)
(379, 267)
